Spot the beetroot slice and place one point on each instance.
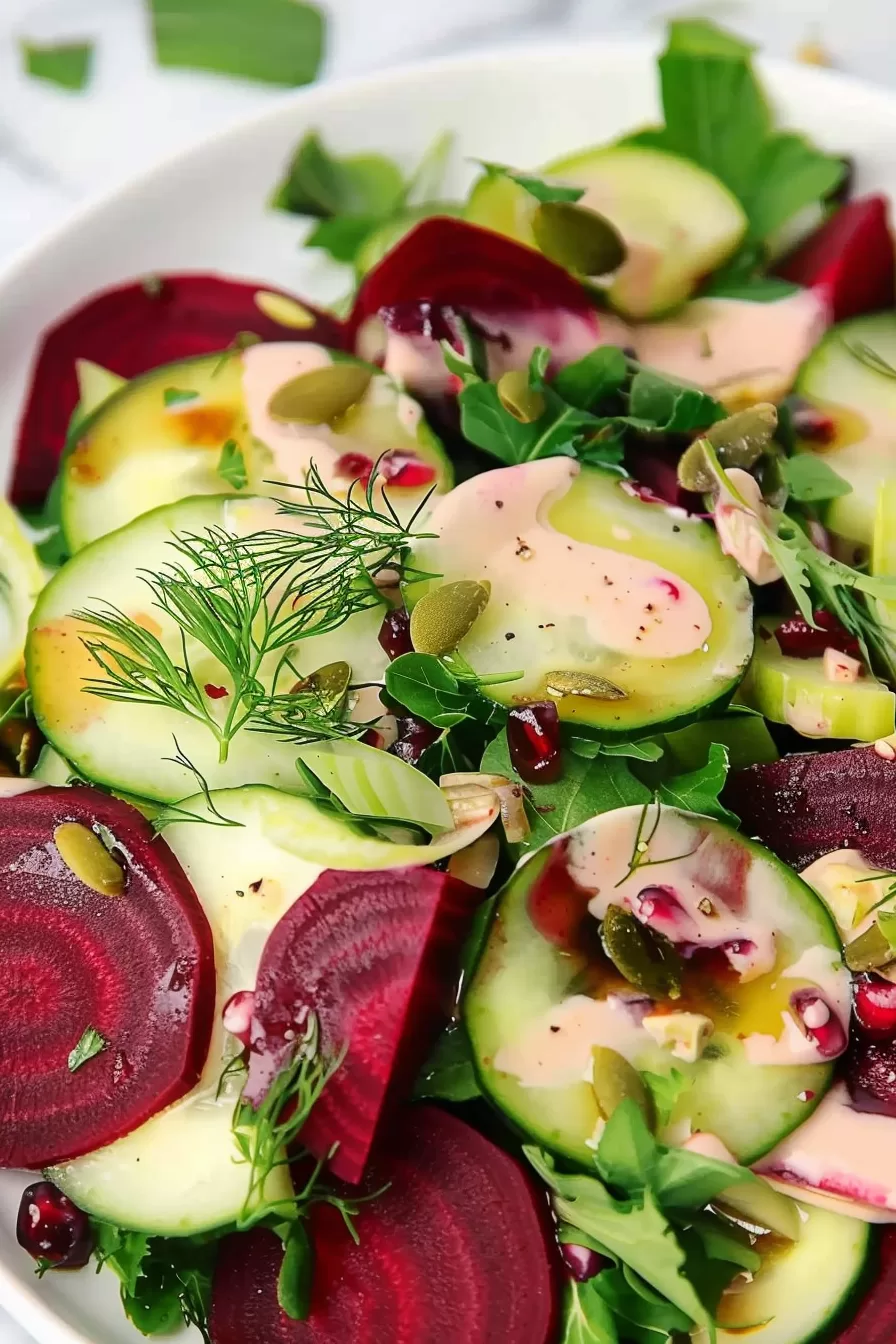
(375, 955)
(875, 1322)
(137, 967)
(849, 261)
(807, 805)
(131, 329)
(458, 1250)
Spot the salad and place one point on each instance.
(449, 759)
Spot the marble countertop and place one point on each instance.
(58, 148)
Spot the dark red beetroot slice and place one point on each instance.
(798, 639)
(849, 261)
(458, 1250)
(875, 1322)
(375, 955)
(870, 1071)
(130, 329)
(807, 805)
(137, 967)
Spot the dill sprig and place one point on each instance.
(249, 602)
(173, 812)
(640, 855)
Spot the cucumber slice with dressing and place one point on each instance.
(679, 222)
(851, 377)
(797, 691)
(21, 579)
(180, 1173)
(129, 746)
(624, 612)
(751, 934)
(804, 1289)
(159, 438)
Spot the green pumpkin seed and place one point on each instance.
(523, 402)
(646, 959)
(85, 855)
(870, 951)
(578, 238)
(741, 440)
(694, 471)
(329, 683)
(280, 308)
(614, 1080)
(584, 684)
(320, 396)
(444, 615)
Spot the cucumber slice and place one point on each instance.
(851, 376)
(796, 691)
(570, 554)
(540, 998)
(125, 745)
(21, 579)
(883, 547)
(803, 1287)
(679, 222)
(158, 439)
(52, 768)
(95, 386)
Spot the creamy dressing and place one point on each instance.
(740, 528)
(620, 601)
(11, 787)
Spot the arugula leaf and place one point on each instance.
(90, 1045)
(587, 1319)
(684, 1180)
(425, 182)
(273, 41)
(726, 1242)
(66, 64)
(587, 381)
(542, 190)
(810, 479)
(640, 1306)
(165, 1282)
(698, 790)
(232, 465)
(586, 788)
(323, 185)
(752, 288)
(627, 1152)
(428, 690)
(448, 1074)
(296, 1277)
(343, 236)
(790, 174)
(665, 1090)
(670, 406)
(644, 750)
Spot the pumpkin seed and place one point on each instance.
(321, 395)
(329, 683)
(584, 684)
(444, 615)
(280, 308)
(578, 238)
(645, 958)
(741, 440)
(85, 855)
(614, 1080)
(694, 472)
(523, 402)
(870, 951)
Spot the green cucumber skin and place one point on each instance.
(846, 1310)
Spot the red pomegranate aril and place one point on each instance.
(405, 469)
(811, 423)
(875, 1005)
(414, 736)
(214, 692)
(818, 1022)
(237, 1015)
(395, 633)
(354, 467)
(583, 1263)
(661, 909)
(533, 736)
(51, 1228)
(798, 639)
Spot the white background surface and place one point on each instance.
(57, 148)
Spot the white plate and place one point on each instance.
(206, 210)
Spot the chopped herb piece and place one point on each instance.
(92, 1043)
(232, 465)
(176, 396)
(273, 41)
(543, 191)
(66, 64)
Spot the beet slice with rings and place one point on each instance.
(376, 957)
(807, 805)
(849, 261)
(136, 327)
(458, 1250)
(120, 972)
(875, 1321)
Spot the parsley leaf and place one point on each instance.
(176, 396)
(448, 1074)
(66, 64)
(273, 41)
(698, 790)
(587, 1319)
(166, 1282)
(810, 480)
(232, 465)
(542, 190)
(90, 1045)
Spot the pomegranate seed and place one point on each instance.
(671, 589)
(533, 736)
(405, 469)
(818, 1022)
(797, 639)
(395, 633)
(50, 1227)
(583, 1263)
(661, 909)
(215, 692)
(875, 1005)
(414, 736)
(237, 1015)
(811, 423)
(354, 467)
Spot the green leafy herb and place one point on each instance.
(871, 359)
(672, 407)
(886, 922)
(665, 1090)
(810, 480)
(699, 790)
(165, 1282)
(430, 690)
(176, 396)
(92, 1043)
(590, 380)
(587, 1319)
(272, 41)
(539, 187)
(296, 1278)
(448, 1074)
(634, 1303)
(232, 465)
(66, 64)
